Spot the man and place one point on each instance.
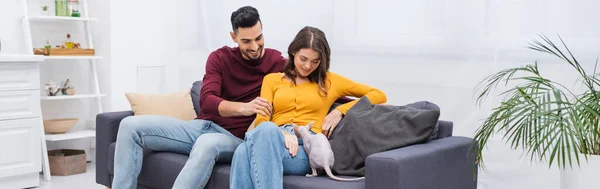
(229, 102)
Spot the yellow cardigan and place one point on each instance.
(301, 104)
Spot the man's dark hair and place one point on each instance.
(244, 17)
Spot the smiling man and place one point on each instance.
(228, 101)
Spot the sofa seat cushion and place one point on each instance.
(321, 182)
(160, 169)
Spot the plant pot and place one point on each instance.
(582, 177)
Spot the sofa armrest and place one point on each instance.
(442, 163)
(107, 126)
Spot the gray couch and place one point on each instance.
(443, 163)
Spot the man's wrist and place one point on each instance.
(238, 108)
(229, 108)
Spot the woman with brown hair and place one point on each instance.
(301, 94)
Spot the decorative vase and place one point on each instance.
(52, 88)
(583, 176)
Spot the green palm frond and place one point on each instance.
(541, 116)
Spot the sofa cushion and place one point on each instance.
(160, 169)
(195, 91)
(177, 104)
(111, 158)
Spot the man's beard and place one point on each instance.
(254, 59)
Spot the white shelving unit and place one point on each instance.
(59, 18)
(71, 135)
(80, 96)
(95, 95)
(72, 57)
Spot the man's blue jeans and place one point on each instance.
(204, 141)
(262, 160)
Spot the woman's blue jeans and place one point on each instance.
(262, 159)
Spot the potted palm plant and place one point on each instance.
(549, 121)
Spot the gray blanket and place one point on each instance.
(367, 129)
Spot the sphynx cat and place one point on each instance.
(318, 149)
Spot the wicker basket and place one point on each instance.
(57, 126)
(66, 162)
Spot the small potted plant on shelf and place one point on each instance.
(45, 10)
(545, 118)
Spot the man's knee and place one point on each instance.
(212, 144)
(131, 124)
(145, 123)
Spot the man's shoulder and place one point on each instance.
(225, 50)
(273, 52)
(274, 55)
(274, 59)
(222, 55)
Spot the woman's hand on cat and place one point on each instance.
(291, 143)
(330, 122)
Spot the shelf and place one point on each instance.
(71, 135)
(20, 58)
(64, 97)
(71, 57)
(60, 18)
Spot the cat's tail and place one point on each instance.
(328, 171)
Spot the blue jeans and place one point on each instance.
(204, 141)
(262, 160)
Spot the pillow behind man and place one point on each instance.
(178, 104)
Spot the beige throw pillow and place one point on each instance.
(178, 105)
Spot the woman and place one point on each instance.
(303, 93)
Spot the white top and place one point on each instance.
(5, 57)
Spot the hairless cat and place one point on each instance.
(319, 152)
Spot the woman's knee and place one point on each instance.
(241, 151)
(266, 127)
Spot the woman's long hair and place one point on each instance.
(313, 38)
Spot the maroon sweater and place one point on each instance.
(230, 77)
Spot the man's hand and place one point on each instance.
(330, 122)
(257, 106)
(291, 143)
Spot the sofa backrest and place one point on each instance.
(445, 129)
(195, 92)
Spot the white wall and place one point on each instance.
(157, 48)
(10, 26)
